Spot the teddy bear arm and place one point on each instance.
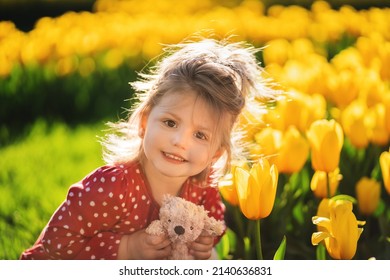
(214, 227)
(155, 228)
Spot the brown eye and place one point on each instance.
(169, 220)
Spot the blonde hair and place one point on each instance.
(223, 74)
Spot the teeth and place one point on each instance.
(174, 157)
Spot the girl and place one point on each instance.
(177, 141)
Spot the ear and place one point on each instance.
(218, 154)
(142, 124)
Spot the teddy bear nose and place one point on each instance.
(179, 230)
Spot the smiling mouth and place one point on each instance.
(174, 157)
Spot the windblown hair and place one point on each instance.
(225, 75)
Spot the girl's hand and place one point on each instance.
(143, 246)
(202, 247)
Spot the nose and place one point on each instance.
(181, 139)
(179, 230)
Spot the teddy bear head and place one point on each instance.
(183, 221)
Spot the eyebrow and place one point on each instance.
(199, 126)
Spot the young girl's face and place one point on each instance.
(178, 138)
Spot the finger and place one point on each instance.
(205, 240)
(199, 255)
(158, 242)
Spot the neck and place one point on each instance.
(160, 184)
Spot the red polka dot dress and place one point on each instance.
(106, 204)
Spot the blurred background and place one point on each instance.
(65, 66)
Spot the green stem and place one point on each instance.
(258, 241)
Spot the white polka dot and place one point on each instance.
(100, 235)
(105, 215)
(55, 229)
(80, 218)
(82, 231)
(89, 224)
(135, 206)
(113, 179)
(121, 166)
(100, 190)
(63, 209)
(69, 252)
(110, 194)
(102, 180)
(88, 248)
(116, 207)
(137, 171)
(143, 197)
(93, 257)
(68, 234)
(59, 246)
(117, 217)
(80, 194)
(71, 194)
(60, 217)
(68, 202)
(104, 203)
(87, 189)
(127, 223)
(136, 217)
(102, 244)
(193, 194)
(96, 215)
(137, 188)
(80, 203)
(121, 196)
(92, 203)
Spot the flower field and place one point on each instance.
(316, 183)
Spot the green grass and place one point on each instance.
(35, 174)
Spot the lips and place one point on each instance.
(173, 157)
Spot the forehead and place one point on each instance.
(188, 104)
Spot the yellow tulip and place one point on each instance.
(318, 183)
(353, 122)
(375, 120)
(326, 139)
(293, 152)
(268, 142)
(368, 192)
(339, 231)
(387, 114)
(227, 185)
(384, 161)
(256, 189)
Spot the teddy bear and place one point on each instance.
(183, 221)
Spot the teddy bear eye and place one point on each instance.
(169, 220)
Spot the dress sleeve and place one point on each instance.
(80, 227)
(212, 202)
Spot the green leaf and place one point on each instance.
(344, 197)
(279, 254)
